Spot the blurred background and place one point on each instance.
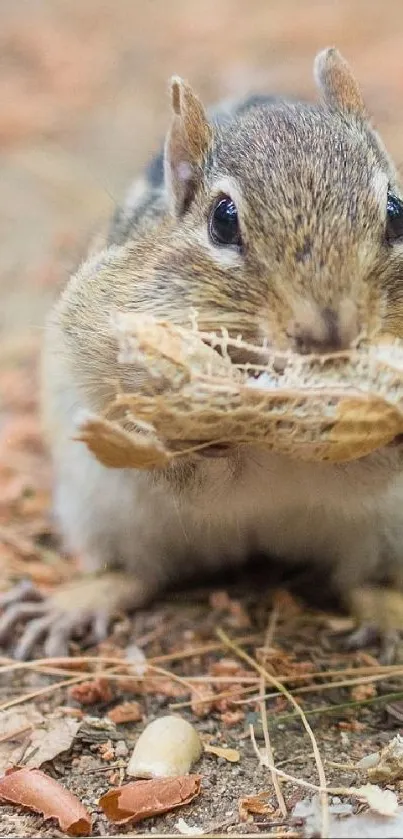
(83, 91)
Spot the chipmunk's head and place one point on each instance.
(288, 218)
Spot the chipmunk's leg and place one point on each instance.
(118, 524)
(377, 610)
(379, 614)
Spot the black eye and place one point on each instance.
(223, 222)
(394, 210)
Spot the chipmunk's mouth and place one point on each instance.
(397, 441)
(216, 450)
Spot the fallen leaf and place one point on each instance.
(163, 687)
(227, 667)
(154, 687)
(382, 801)
(143, 799)
(362, 692)
(230, 718)
(54, 737)
(16, 725)
(254, 804)
(36, 791)
(167, 747)
(232, 755)
(278, 662)
(88, 693)
(126, 712)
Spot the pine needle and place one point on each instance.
(280, 687)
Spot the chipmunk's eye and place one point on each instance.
(394, 210)
(223, 222)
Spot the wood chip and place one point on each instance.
(254, 805)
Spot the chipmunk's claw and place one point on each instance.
(378, 611)
(43, 618)
(368, 635)
(82, 609)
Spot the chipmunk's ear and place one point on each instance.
(337, 84)
(186, 146)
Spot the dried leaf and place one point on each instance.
(36, 791)
(382, 801)
(55, 737)
(230, 718)
(95, 690)
(143, 799)
(16, 725)
(277, 661)
(227, 667)
(256, 805)
(126, 712)
(167, 747)
(163, 687)
(232, 755)
(361, 692)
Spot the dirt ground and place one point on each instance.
(84, 104)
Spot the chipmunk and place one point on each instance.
(281, 221)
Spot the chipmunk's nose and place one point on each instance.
(324, 329)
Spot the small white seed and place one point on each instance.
(167, 747)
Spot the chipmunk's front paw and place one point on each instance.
(81, 609)
(379, 615)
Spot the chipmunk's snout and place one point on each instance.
(324, 329)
